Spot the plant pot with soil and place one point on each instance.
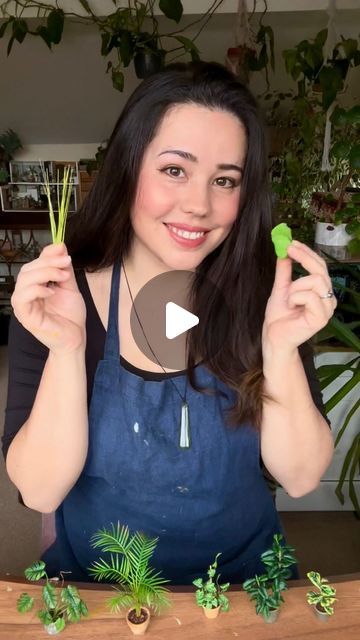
(210, 595)
(322, 599)
(140, 587)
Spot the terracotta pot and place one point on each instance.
(321, 614)
(138, 629)
(273, 616)
(212, 613)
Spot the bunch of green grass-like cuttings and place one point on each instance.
(63, 191)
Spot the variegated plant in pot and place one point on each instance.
(210, 595)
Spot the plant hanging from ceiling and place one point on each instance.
(254, 50)
(128, 34)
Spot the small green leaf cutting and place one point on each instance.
(58, 232)
(281, 237)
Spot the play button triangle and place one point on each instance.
(178, 320)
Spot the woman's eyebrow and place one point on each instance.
(189, 156)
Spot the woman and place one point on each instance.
(96, 436)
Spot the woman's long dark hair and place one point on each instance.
(242, 266)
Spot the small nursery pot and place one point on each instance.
(138, 628)
(320, 613)
(55, 627)
(212, 613)
(273, 616)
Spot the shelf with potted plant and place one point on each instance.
(303, 168)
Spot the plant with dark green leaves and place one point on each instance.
(346, 335)
(324, 597)
(209, 593)
(265, 593)
(266, 589)
(308, 64)
(255, 52)
(129, 566)
(130, 33)
(60, 605)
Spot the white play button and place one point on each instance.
(178, 320)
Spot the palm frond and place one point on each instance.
(140, 552)
(101, 569)
(125, 599)
(115, 540)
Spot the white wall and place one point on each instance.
(65, 97)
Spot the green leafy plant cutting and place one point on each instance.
(210, 594)
(324, 597)
(63, 201)
(281, 237)
(266, 589)
(59, 605)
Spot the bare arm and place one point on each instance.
(49, 451)
(296, 442)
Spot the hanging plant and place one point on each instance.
(254, 51)
(131, 33)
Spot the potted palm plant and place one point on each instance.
(140, 587)
(267, 588)
(59, 605)
(210, 595)
(322, 599)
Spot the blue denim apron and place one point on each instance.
(199, 501)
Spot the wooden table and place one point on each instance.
(186, 621)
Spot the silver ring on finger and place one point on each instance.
(329, 294)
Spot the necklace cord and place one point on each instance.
(183, 398)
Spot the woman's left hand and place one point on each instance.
(297, 309)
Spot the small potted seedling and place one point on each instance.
(210, 595)
(322, 599)
(59, 605)
(266, 589)
(140, 587)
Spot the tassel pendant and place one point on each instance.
(185, 427)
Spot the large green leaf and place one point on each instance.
(354, 156)
(352, 412)
(172, 9)
(342, 392)
(353, 452)
(36, 571)
(20, 29)
(25, 603)
(55, 25)
(345, 335)
(49, 596)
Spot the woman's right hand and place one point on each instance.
(54, 314)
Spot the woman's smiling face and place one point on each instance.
(189, 185)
